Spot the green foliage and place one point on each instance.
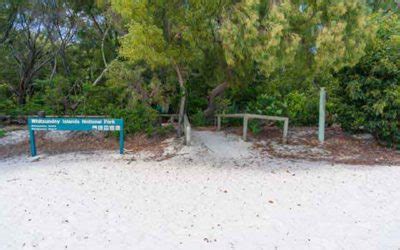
(137, 119)
(266, 105)
(159, 33)
(2, 133)
(386, 5)
(138, 83)
(273, 55)
(255, 126)
(113, 100)
(163, 130)
(6, 104)
(368, 97)
(144, 42)
(225, 106)
(302, 108)
(314, 38)
(198, 119)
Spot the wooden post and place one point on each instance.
(218, 123)
(245, 122)
(188, 135)
(285, 130)
(322, 104)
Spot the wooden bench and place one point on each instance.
(246, 118)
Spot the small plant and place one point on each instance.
(266, 105)
(2, 133)
(198, 119)
(302, 107)
(255, 126)
(163, 130)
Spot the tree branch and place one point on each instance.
(102, 47)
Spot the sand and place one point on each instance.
(219, 193)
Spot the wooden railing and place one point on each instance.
(246, 118)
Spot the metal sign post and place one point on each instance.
(74, 124)
(322, 104)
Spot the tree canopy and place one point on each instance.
(183, 56)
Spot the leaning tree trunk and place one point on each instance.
(217, 91)
(183, 100)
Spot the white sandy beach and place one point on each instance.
(217, 194)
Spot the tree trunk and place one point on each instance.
(22, 92)
(183, 99)
(21, 99)
(217, 91)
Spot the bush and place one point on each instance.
(198, 119)
(140, 118)
(369, 93)
(2, 133)
(266, 105)
(6, 103)
(302, 108)
(163, 131)
(255, 126)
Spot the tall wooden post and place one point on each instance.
(285, 130)
(245, 122)
(322, 104)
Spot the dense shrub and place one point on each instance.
(90, 100)
(6, 103)
(300, 107)
(369, 93)
(198, 118)
(139, 118)
(266, 105)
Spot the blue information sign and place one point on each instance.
(76, 124)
